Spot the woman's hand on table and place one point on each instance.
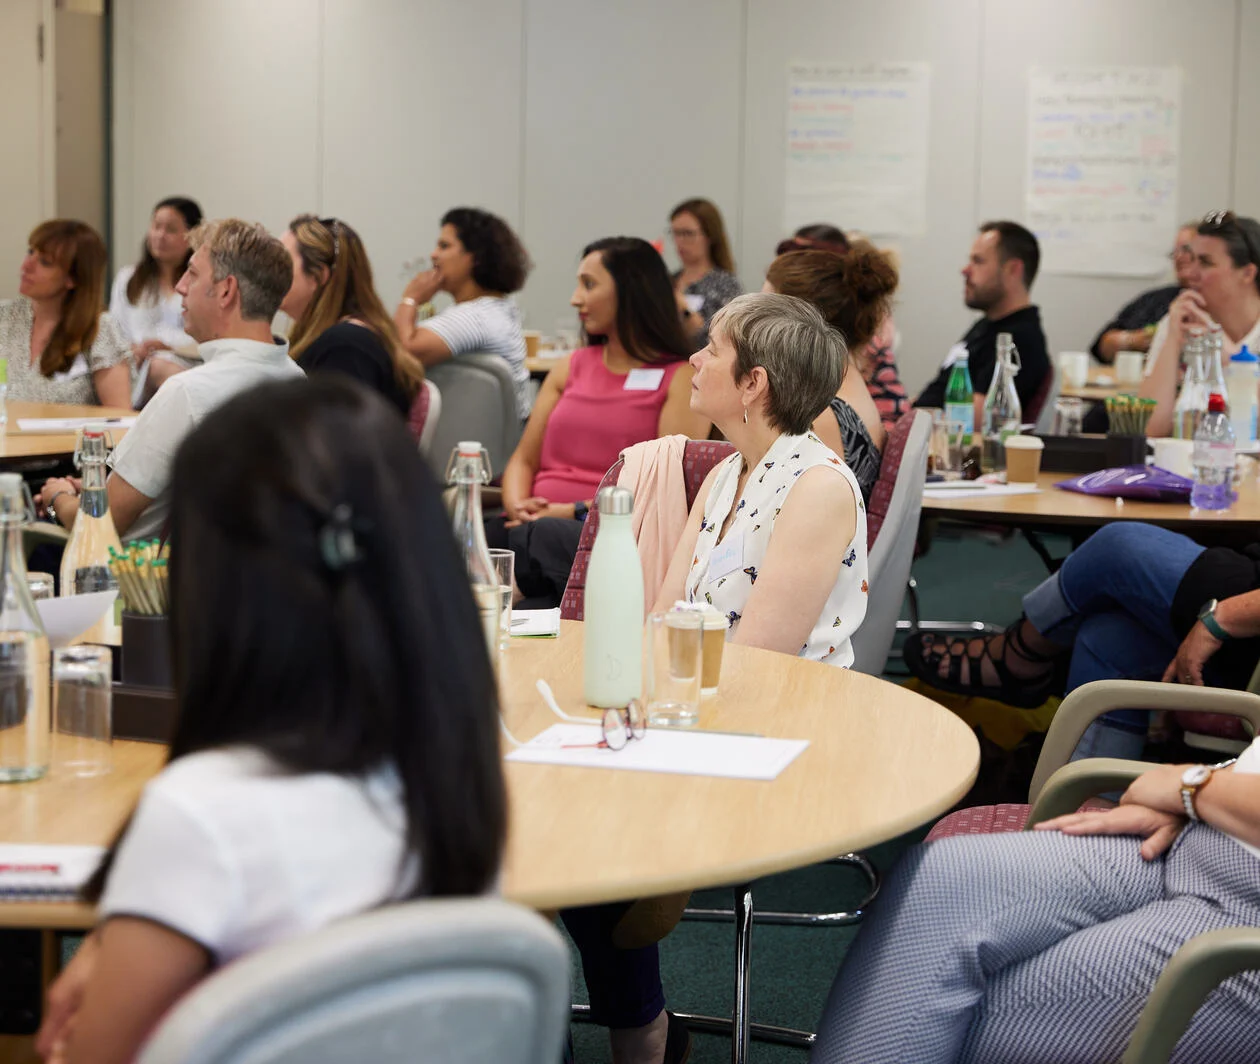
(63, 1000)
(1156, 828)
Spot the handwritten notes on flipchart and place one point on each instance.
(857, 145)
(1102, 168)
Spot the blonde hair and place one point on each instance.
(79, 250)
(347, 292)
(258, 261)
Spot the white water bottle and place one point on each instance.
(1241, 381)
(614, 606)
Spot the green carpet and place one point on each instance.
(972, 577)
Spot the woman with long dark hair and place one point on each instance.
(60, 346)
(479, 262)
(143, 300)
(339, 324)
(337, 745)
(627, 383)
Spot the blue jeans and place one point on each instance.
(1110, 602)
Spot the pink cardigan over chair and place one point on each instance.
(654, 472)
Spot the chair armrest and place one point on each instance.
(1074, 782)
(38, 532)
(1194, 971)
(1084, 705)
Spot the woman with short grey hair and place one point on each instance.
(771, 367)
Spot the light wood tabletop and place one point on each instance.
(1101, 384)
(14, 443)
(1054, 506)
(881, 760)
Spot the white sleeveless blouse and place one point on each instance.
(722, 573)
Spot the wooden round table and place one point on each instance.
(1053, 506)
(16, 444)
(881, 760)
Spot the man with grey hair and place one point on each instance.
(235, 281)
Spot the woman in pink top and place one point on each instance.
(631, 383)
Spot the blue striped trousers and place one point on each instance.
(1040, 948)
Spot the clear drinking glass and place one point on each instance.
(82, 710)
(672, 668)
(504, 562)
(40, 585)
(1069, 416)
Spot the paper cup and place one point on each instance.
(714, 642)
(1074, 365)
(1177, 456)
(533, 339)
(1023, 459)
(1129, 366)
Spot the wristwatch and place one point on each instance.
(1207, 616)
(50, 505)
(580, 510)
(1192, 781)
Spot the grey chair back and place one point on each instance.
(1045, 417)
(449, 981)
(478, 403)
(892, 553)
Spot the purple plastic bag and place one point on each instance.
(1148, 483)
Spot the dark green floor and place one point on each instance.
(792, 968)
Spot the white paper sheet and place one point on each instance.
(689, 753)
(65, 619)
(948, 491)
(857, 145)
(55, 873)
(1101, 180)
(535, 624)
(58, 425)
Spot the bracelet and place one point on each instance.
(50, 505)
(408, 301)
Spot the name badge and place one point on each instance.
(727, 556)
(643, 380)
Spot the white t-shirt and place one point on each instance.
(487, 323)
(143, 457)
(152, 318)
(236, 854)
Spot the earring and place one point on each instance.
(745, 415)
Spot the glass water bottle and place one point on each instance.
(468, 470)
(85, 563)
(24, 676)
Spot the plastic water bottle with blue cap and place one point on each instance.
(1241, 383)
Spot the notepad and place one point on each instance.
(45, 873)
(61, 425)
(535, 624)
(688, 753)
(972, 488)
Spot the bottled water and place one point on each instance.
(1002, 413)
(85, 561)
(1213, 459)
(468, 470)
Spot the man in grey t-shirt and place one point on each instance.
(235, 281)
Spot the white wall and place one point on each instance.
(577, 119)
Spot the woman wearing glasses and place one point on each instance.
(707, 281)
(479, 262)
(340, 325)
(1223, 287)
(1133, 328)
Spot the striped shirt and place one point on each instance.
(491, 324)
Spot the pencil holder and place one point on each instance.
(146, 650)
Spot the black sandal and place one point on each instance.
(924, 660)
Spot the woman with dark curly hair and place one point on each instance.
(479, 261)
